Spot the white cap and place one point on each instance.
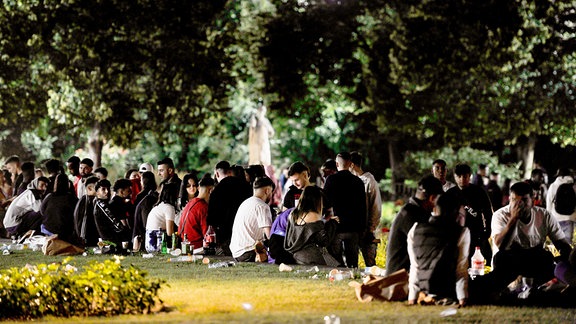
(146, 167)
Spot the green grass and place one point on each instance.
(195, 293)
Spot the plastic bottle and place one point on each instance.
(223, 264)
(337, 275)
(210, 241)
(477, 263)
(182, 258)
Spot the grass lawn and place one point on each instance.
(195, 293)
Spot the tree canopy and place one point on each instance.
(337, 74)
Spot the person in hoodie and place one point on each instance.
(57, 210)
(566, 221)
(84, 223)
(23, 214)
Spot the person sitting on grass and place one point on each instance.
(58, 211)
(307, 236)
(109, 227)
(252, 223)
(438, 251)
(519, 232)
(161, 217)
(193, 222)
(84, 214)
(23, 214)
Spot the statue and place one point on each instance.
(259, 133)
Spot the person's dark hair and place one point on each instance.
(148, 181)
(207, 181)
(91, 180)
(186, 184)
(223, 165)
(462, 169)
(262, 182)
(357, 158)
(101, 170)
(7, 177)
(122, 184)
(430, 186)
(330, 164)
(102, 183)
(439, 161)
(344, 156)
(449, 205)
(61, 184)
(129, 173)
(28, 171)
(88, 162)
(536, 172)
(521, 188)
(44, 179)
(52, 166)
(297, 167)
(255, 171)
(169, 194)
(74, 160)
(481, 166)
(168, 161)
(238, 171)
(13, 159)
(310, 201)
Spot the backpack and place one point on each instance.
(565, 199)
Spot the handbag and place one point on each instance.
(56, 246)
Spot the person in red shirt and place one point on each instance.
(193, 221)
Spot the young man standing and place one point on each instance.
(368, 245)
(225, 199)
(345, 194)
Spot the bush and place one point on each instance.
(59, 289)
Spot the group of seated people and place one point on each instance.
(435, 234)
(432, 238)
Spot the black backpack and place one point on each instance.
(565, 199)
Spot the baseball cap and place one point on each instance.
(146, 167)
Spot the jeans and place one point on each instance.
(347, 244)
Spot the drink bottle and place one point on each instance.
(210, 241)
(478, 263)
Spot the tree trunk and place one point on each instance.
(395, 165)
(95, 144)
(528, 155)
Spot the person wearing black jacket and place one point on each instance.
(109, 226)
(57, 210)
(84, 214)
(225, 199)
(345, 194)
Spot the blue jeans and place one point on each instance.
(568, 229)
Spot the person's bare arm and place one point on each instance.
(501, 239)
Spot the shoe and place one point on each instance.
(261, 253)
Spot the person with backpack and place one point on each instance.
(561, 201)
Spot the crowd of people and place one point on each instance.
(433, 237)
(436, 233)
(240, 205)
